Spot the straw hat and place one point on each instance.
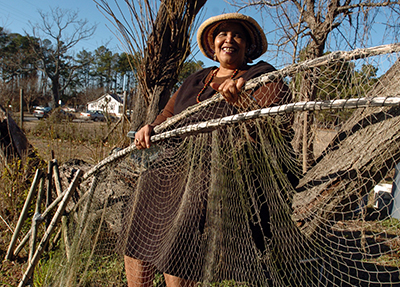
(258, 41)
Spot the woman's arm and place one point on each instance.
(142, 137)
(272, 93)
(167, 112)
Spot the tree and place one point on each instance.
(63, 30)
(125, 69)
(160, 43)
(341, 80)
(304, 26)
(17, 69)
(84, 60)
(16, 55)
(189, 67)
(308, 24)
(105, 62)
(31, 90)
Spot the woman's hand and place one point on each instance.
(229, 89)
(142, 137)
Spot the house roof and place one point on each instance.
(114, 96)
(117, 97)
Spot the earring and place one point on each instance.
(247, 59)
(215, 57)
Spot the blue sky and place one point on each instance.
(15, 14)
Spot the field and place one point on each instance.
(87, 141)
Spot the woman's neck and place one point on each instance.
(228, 71)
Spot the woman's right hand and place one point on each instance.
(142, 137)
(229, 89)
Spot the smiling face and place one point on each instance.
(230, 45)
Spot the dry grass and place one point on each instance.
(87, 141)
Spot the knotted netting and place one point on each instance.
(302, 192)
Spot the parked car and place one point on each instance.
(41, 112)
(92, 115)
(69, 109)
(61, 115)
(112, 118)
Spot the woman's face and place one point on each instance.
(230, 45)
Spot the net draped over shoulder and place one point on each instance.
(201, 210)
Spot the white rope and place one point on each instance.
(270, 111)
(301, 106)
(288, 71)
(282, 109)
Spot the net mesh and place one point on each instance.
(299, 194)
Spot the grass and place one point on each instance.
(62, 140)
(103, 271)
(88, 141)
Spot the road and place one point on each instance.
(30, 118)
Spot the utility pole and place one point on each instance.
(21, 107)
(124, 103)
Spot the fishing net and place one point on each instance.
(299, 193)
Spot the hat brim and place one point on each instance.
(258, 41)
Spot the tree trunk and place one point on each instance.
(167, 48)
(303, 141)
(359, 157)
(55, 89)
(139, 111)
(304, 136)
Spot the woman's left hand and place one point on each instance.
(229, 89)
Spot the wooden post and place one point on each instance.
(22, 243)
(64, 220)
(21, 107)
(124, 111)
(49, 187)
(85, 212)
(35, 219)
(44, 215)
(22, 216)
(56, 175)
(304, 143)
(57, 216)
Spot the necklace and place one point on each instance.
(214, 73)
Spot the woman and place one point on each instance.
(233, 40)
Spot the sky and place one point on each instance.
(16, 14)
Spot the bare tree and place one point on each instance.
(304, 28)
(31, 91)
(158, 44)
(308, 24)
(58, 32)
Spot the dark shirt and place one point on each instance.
(187, 93)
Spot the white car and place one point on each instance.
(41, 112)
(69, 109)
(92, 115)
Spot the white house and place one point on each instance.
(110, 103)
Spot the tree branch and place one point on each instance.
(345, 8)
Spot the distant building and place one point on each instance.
(109, 103)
